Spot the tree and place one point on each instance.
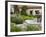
(23, 12)
(16, 9)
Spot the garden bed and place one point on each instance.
(33, 27)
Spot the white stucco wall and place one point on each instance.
(28, 11)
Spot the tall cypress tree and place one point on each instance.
(23, 12)
(16, 9)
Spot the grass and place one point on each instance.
(27, 17)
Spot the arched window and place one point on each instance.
(31, 12)
(37, 11)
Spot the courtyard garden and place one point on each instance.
(18, 20)
(18, 23)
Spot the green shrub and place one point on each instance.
(17, 19)
(33, 28)
(12, 19)
(23, 12)
(17, 29)
(14, 28)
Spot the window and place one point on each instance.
(31, 12)
(37, 12)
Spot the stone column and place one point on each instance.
(34, 12)
(20, 10)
